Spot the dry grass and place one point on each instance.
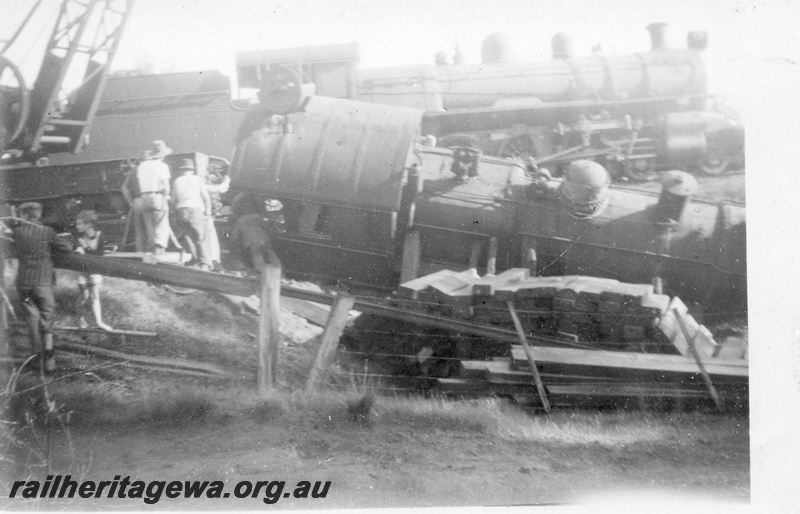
(133, 305)
(153, 404)
(200, 327)
(165, 406)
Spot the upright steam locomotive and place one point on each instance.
(634, 113)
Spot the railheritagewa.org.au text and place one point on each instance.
(151, 492)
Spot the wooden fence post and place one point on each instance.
(5, 304)
(268, 335)
(706, 377)
(529, 354)
(330, 340)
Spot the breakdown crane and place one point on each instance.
(46, 118)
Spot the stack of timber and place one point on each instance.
(575, 308)
(595, 341)
(574, 377)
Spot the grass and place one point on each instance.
(199, 326)
(162, 405)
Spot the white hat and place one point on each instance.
(158, 151)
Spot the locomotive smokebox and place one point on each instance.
(561, 45)
(658, 33)
(282, 91)
(676, 192)
(497, 48)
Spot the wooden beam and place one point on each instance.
(707, 379)
(112, 332)
(314, 312)
(734, 370)
(180, 276)
(165, 362)
(531, 361)
(268, 324)
(330, 340)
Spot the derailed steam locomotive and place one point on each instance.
(365, 200)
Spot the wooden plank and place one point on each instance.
(180, 276)
(625, 390)
(669, 326)
(165, 258)
(316, 313)
(657, 303)
(166, 362)
(531, 361)
(151, 367)
(707, 379)
(330, 340)
(412, 288)
(507, 282)
(590, 288)
(455, 289)
(502, 372)
(604, 359)
(536, 287)
(460, 385)
(101, 331)
(475, 370)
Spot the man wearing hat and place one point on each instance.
(34, 245)
(192, 208)
(147, 189)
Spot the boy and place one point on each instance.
(90, 242)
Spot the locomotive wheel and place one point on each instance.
(523, 146)
(15, 102)
(714, 161)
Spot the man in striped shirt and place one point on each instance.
(33, 246)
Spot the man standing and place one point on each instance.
(34, 245)
(216, 185)
(251, 236)
(193, 207)
(147, 189)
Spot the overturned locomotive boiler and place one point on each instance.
(367, 201)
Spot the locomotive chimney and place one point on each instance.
(657, 36)
(561, 45)
(676, 192)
